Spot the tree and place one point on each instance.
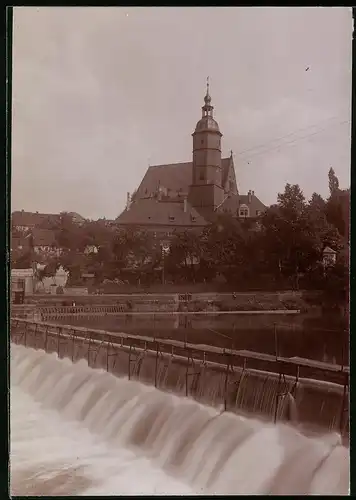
(184, 256)
(333, 182)
(290, 244)
(292, 200)
(223, 245)
(49, 271)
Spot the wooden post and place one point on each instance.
(46, 339)
(343, 404)
(73, 334)
(59, 329)
(226, 383)
(156, 366)
(25, 334)
(107, 356)
(129, 367)
(277, 398)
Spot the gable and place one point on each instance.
(229, 177)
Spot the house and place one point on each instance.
(44, 242)
(329, 257)
(22, 284)
(25, 221)
(189, 195)
(50, 284)
(91, 249)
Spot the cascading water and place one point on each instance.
(75, 430)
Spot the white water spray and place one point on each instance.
(75, 430)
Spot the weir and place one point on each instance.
(204, 450)
(240, 381)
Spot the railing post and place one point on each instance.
(226, 382)
(277, 397)
(343, 404)
(25, 334)
(73, 335)
(129, 367)
(156, 365)
(59, 329)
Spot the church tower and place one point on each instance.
(206, 191)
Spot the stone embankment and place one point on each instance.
(244, 381)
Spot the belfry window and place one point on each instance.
(202, 175)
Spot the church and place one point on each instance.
(185, 196)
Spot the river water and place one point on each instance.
(78, 431)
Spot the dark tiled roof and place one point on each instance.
(32, 219)
(17, 242)
(175, 178)
(77, 217)
(233, 202)
(43, 237)
(151, 211)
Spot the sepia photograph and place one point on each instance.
(179, 276)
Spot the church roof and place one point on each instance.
(175, 177)
(207, 123)
(151, 211)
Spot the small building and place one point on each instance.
(91, 249)
(22, 284)
(88, 279)
(329, 257)
(49, 284)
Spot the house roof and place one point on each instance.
(151, 211)
(43, 237)
(329, 250)
(175, 177)
(233, 202)
(33, 219)
(17, 242)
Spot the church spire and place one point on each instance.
(207, 108)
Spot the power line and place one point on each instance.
(287, 135)
(288, 143)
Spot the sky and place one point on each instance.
(101, 93)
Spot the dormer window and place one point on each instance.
(171, 218)
(258, 213)
(193, 218)
(244, 211)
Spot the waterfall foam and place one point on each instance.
(208, 451)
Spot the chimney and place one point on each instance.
(249, 196)
(253, 193)
(185, 205)
(159, 194)
(128, 201)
